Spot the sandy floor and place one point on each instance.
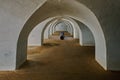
(60, 60)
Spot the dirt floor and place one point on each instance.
(60, 60)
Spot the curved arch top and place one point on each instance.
(78, 12)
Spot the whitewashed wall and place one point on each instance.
(15, 13)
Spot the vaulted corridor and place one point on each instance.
(60, 60)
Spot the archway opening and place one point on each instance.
(37, 37)
(87, 18)
(61, 28)
(49, 44)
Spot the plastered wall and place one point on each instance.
(13, 15)
(87, 38)
(102, 18)
(61, 27)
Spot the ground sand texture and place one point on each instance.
(60, 60)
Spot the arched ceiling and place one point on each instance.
(70, 8)
(90, 12)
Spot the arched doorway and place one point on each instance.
(87, 17)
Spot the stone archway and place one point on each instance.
(87, 17)
(69, 25)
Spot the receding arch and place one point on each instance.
(34, 38)
(80, 13)
(51, 26)
(77, 31)
(67, 24)
(54, 22)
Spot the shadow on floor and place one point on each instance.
(29, 64)
(50, 44)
